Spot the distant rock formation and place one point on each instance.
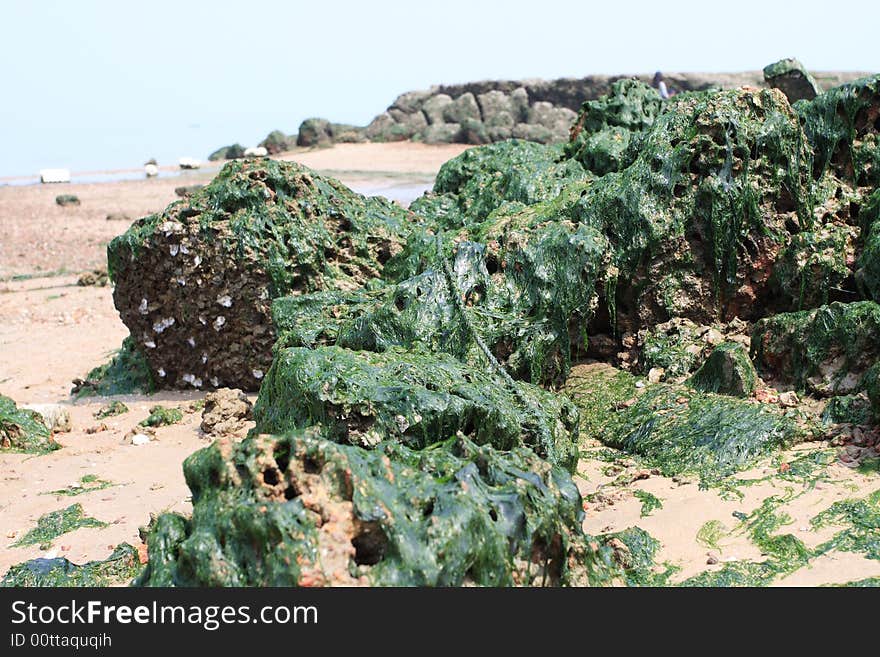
(535, 110)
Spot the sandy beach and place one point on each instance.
(52, 331)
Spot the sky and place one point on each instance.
(97, 84)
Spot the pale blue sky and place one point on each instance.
(108, 84)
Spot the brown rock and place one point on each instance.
(226, 412)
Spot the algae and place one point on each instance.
(121, 567)
(161, 416)
(675, 428)
(112, 409)
(826, 350)
(727, 371)
(127, 372)
(86, 484)
(22, 430)
(417, 398)
(52, 525)
(301, 510)
(650, 502)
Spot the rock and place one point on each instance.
(96, 277)
(186, 191)
(712, 560)
(278, 142)
(199, 309)
(474, 132)
(151, 170)
(442, 133)
(411, 102)
(140, 439)
(22, 430)
(189, 163)
(340, 544)
(713, 337)
(537, 133)
(226, 153)
(788, 399)
(56, 417)
(461, 109)
(826, 351)
(65, 200)
(111, 409)
(118, 216)
(790, 77)
(496, 109)
(256, 151)
(343, 133)
(602, 131)
(435, 108)
(519, 104)
(655, 374)
(411, 123)
(409, 397)
(727, 371)
(380, 127)
(314, 132)
(226, 412)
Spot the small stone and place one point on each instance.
(712, 560)
(713, 337)
(140, 439)
(655, 374)
(788, 399)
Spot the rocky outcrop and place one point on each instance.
(544, 110)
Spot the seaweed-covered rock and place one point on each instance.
(65, 200)
(314, 132)
(194, 283)
(127, 372)
(867, 273)
(278, 142)
(700, 215)
(843, 128)
(462, 109)
(826, 350)
(301, 510)
(121, 567)
(479, 180)
(814, 266)
(523, 299)
(601, 135)
(727, 371)
(872, 386)
(792, 79)
(22, 430)
(417, 398)
(676, 428)
(231, 152)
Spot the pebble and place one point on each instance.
(140, 439)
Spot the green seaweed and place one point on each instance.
(634, 551)
(86, 484)
(826, 350)
(126, 373)
(604, 130)
(471, 186)
(674, 428)
(727, 371)
(650, 502)
(711, 533)
(121, 567)
(417, 398)
(449, 515)
(161, 416)
(862, 530)
(112, 409)
(52, 525)
(22, 430)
